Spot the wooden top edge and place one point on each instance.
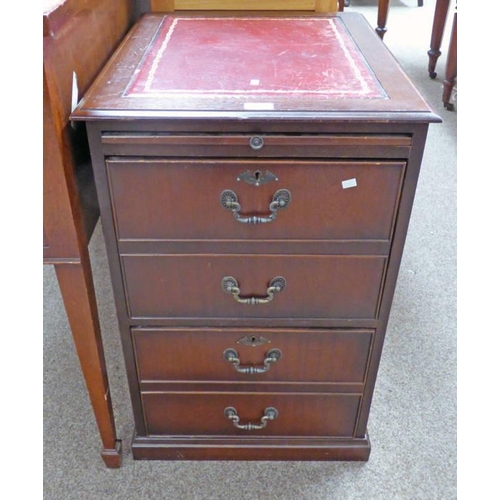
(290, 116)
(91, 107)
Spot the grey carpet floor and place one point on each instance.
(413, 419)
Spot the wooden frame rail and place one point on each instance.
(286, 5)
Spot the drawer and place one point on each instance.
(206, 145)
(205, 414)
(251, 355)
(194, 286)
(214, 199)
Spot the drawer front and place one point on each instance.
(251, 355)
(205, 414)
(167, 199)
(266, 146)
(191, 286)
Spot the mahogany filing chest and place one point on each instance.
(255, 177)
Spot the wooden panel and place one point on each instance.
(162, 5)
(70, 208)
(326, 6)
(306, 355)
(62, 222)
(181, 199)
(203, 413)
(190, 285)
(309, 5)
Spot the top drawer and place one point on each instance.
(223, 199)
(257, 146)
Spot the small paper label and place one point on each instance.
(74, 92)
(254, 82)
(349, 183)
(74, 97)
(254, 106)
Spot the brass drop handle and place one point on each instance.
(231, 356)
(270, 413)
(231, 286)
(229, 201)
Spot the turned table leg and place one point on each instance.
(451, 66)
(438, 24)
(383, 12)
(77, 291)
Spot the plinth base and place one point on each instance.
(231, 448)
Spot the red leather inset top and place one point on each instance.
(254, 56)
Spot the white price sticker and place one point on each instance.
(349, 183)
(259, 106)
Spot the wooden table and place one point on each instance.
(255, 196)
(69, 197)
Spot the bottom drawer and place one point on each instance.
(197, 414)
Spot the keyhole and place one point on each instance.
(258, 177)
(253, 340)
